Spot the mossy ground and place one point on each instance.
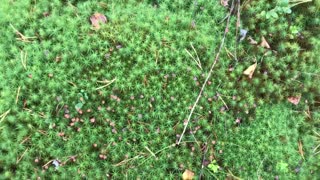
(112, 102)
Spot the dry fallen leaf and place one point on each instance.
(301, 152)
(187, 175)
(224, 3)
(252, 41)
(294, 99)
(96, 19)
(264, 43)
(250, 70)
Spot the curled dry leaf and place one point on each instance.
(224, 2)
(96, 19)
(250, 70)
(252, 41)
(294, 99)
(264, 43)
(187, 175)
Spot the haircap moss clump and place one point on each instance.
(109, 98)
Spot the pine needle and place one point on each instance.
(24, 153)
(4, 115)
(18, 92)
(107, 83)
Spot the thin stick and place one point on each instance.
(194, 59)
(70, 157)
(127, 160)
(18, 160)
(258, 171)
(18, 92)
(172, 145)
(195, 139)
(150, 152)
(198, 59)
(293, 3)
(25, 139)
(235, 177)
(157, 56)
(237, 29)
(229, 53)
(210, 72)
(108, 83)
(42, 132)
(73, 84)
(22, 37)
(25, 60)
(21, 58)
(48, 162)
(4, 115)
(203, 157)
(223, 102)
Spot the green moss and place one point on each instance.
(116, 99)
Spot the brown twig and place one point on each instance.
(106, 82)
(4, 115)
(68, 159)
(42, 132)
(204, 155)
(22, 37)
(48, 162)
(209, 74)
(237, 28)
(127, 160)
(224, 103)
(25, 139)
(150, 152)
(18, 160)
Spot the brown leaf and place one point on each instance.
(224, 2)
(250, 70)
(294, 99)
(96, 19)
(264, 43)
(301, 152)
(187, 175)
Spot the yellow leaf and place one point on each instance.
(252, 41)
(187, 175)
(250, 70)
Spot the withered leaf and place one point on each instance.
(252, 41)
(300, 146)
(250, 70)
(96, 19)
(264, 43)
(187, 175)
